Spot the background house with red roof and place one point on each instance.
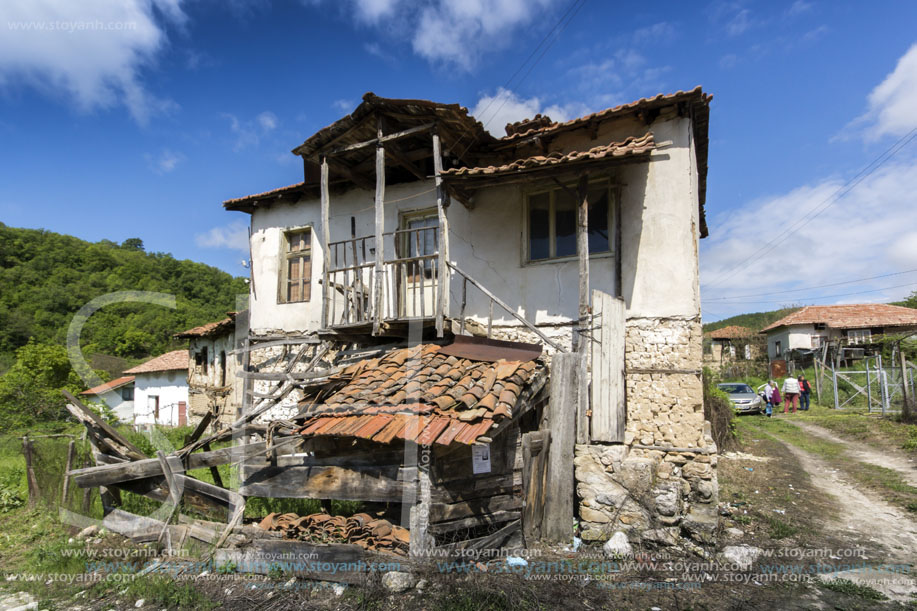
(731, 343)
(161, 390)
(813, 326)
(117, 394)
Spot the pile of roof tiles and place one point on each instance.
(421, 395)
(359, 529)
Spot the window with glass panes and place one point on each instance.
(552, 222)
(297, 271)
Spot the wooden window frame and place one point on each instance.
(855, 337)
(286, 256)
(552, 237)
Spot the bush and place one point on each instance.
(719, 413)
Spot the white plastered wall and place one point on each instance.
(170, 386)
(659, 228)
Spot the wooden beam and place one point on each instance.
(103, 475)
(581, 339)
(401, 159)
(534, 459)
(379, 229)
(347, 172)
(557, 526)
(287, 480)
(380, 139)
(86, 415)
(442, 298)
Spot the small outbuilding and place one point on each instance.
(161, 390)
(117, 394)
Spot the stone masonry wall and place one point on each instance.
(645, 488)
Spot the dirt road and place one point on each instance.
(865, 519)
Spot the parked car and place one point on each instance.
(744, 399)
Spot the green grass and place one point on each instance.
(845, 586)
(778, 529)
(889, 483)
(782, 430)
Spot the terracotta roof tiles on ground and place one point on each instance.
(386, 399)
(851, 316)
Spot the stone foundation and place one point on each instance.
(646, 487)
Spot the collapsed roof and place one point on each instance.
(423, 395)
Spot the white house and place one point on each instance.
(413, 221)
(161, 390)
(117, 394)
(812, 326)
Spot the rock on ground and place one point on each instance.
(741, 555)
(398, 581)
(618, 545)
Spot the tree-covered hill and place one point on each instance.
(46, 277)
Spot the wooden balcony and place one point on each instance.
(360, 294)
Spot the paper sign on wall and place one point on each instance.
(480, 458)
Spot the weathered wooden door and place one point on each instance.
(608, 400)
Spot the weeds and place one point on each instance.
(845, 586)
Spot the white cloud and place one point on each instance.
(658, 32)
(495, 111)
(451, 32)
(859, 236)
(893, 103)
(728, 61)
(166, 161)
(249, 133)
(344, 105)
(798, 8)
(92, 53)
(233, 236)
(267, 120)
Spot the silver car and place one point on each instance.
(744, 399)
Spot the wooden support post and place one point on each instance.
(65, 492)
(581, 339)
(442, 297)
(247, 382)
(379, 229)
(557, 526)
(29, 471)
(421, 539)
(905, 391)
(327, 290)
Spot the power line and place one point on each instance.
(808, 288)
(810, 298)
(562, 24)
(824, 204)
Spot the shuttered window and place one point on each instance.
(297, 271)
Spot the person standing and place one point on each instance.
(775, 395)
(769, 388)
(805, 390)
(790, 392)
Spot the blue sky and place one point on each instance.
(137, 118)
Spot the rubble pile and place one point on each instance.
(360, 529)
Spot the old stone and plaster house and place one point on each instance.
(730, 344)
(212, 367)
(414, 223)
(812, 327)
